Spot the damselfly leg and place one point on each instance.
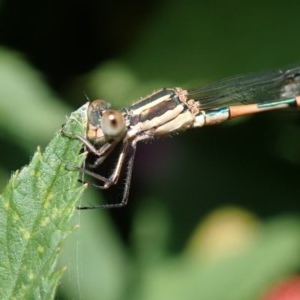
(124, 164)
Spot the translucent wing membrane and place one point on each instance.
(250, 88)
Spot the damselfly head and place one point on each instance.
(104, 123)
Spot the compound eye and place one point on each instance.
(95, 111)
(113, 123)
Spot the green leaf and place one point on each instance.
(35, 211)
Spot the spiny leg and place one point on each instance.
(129, 154)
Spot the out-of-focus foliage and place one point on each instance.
(29, 111)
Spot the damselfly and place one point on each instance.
(175, 109)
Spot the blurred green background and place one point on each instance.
(213, 212)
